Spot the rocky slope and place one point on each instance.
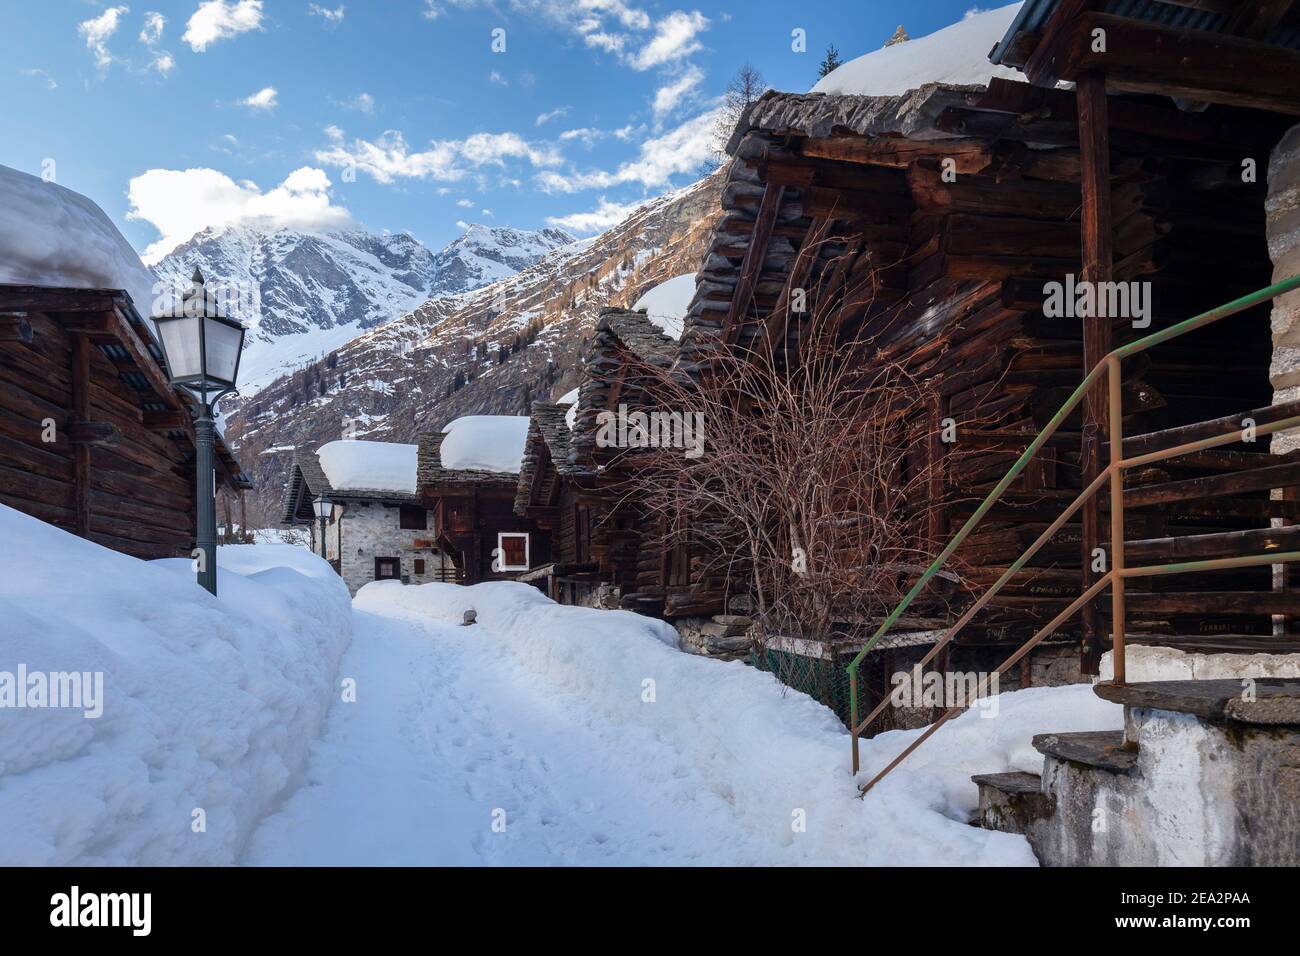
(318, 291)
(490, 351)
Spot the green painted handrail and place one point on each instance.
(1124, 351)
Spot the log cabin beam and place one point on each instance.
(1143, 57)
(167, 421)
(753, 261)
(1044, 65)
(82, 432)
(81, 452)
(1094, 149)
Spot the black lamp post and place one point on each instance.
(323, 508)
(202, 348)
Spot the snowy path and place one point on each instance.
(538, 713)
(444, 734)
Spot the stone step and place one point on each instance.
(1103, 749)
(1011, 802)
(1264, 700)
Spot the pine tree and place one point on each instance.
(830, 61)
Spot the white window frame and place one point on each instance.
(501, 549)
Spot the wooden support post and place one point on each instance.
(1094, 154)
(81, 450)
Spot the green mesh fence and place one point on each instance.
(825, 681)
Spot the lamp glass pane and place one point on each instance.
(224, 342)
(180, 342)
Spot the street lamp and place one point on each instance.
(201, 347)
(323, 508)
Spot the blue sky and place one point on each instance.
(399, 115)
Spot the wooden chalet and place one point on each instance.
(956, 205)
(556, 491)
(475, 520)
(93, 438)
(605, 547)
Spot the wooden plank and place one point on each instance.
(1043, 68)
(753, 261)
(15, 328)
(1143, 57)
(1094, 155)
(1213, 486)
(81, 413)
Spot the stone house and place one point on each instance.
(379, 527)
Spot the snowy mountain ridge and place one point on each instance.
(316, 291)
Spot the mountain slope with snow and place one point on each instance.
(304, 295)
(491, 351)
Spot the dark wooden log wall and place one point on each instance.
(119, 483)
(958, 271)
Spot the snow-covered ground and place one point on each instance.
(547, 734)
(208, 704)
(542, 734)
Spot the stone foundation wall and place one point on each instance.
(1202, 794)
(1283, 230)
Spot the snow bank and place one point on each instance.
(51, 236)
(768, 756)
(957, 54)
(208, 703)
(485, 442)
(354, 465)
(667, 303)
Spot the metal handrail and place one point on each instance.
(1110, 364)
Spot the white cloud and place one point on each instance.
(152, 30)
(668, 97)
(497, 78)
(162, 62)
(265, 99)
(587, 135)
(220, 19)
(674, 39)
(680, 150)
(486, 212)
(465, 203)
(389, 158)
(362, 103)
(50, 82)
(181, 203)
(557, 113)
(605, 215)
(151, 33)
(98, 30)
(331, 17)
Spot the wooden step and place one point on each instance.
(1276, 700)
(1103, 749)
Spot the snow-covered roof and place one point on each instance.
(666, 303)
(485, 443)
(957, 55)
(369, 466)
(51, 236)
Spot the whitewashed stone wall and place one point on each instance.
(1283, 208)
(372, 529)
